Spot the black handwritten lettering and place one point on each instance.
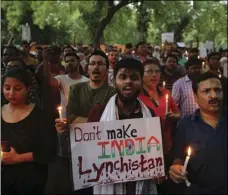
(98, 171)
(109, 164)
(75, 134)
(135, 165)
(80, 167)
(151, 163)
(133, 133)
(119, 133)
(142, 163)
(115, 165)
(122, 165)
(125, 131)
(111, 134)
(159, 161)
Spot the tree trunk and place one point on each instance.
(182, 25)
(105, 21)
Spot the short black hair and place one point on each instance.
(18, 73)
(68, 46)
(129, 46)
(193, 61)
(213, 54)
(152, 60)
(140, 43)
(98, 52)
(171, 56)
(71, 54)
(194, 50)
(128, 63)
(12, 48)
(24, 42)
(175, 50)
(203, 77)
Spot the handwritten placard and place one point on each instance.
(116, 151)
(168, 36)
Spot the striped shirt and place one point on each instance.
(183, 95)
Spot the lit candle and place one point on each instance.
(60, 112)
(198, 57)
(220, 76)
(163, 84)
(166, 103)
(186, 161)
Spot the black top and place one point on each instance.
(207, 168)
(34, 134)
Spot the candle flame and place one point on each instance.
(59, 108)
(203, 63)
(166, 96)
(189, 151)
(220, 75)
(163, 83)
(198, 57)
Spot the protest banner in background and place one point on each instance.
(168, 36)
(116, 151)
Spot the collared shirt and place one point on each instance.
(207, 167)
(183, 95)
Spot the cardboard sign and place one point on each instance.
(116, 152)
(168, 36)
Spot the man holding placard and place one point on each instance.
(82, 97)
(204, 136)
(128, 74)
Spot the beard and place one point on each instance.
(127, 100)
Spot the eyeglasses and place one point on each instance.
(152, 71)
(100, 63)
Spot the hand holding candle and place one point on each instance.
(60, 112)
(185, 166)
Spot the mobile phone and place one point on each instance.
(5, 146)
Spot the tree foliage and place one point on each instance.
(60, 20)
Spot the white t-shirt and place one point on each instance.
(64, 86)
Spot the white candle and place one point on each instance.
(60, 112)
(186, 161)
(163, 84)
(166, 103)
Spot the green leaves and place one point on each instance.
(207, 20)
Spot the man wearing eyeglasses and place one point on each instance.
(82, 97)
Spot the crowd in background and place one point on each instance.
(83, 81)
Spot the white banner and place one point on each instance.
(116, 152)
(209, 45)
(26, 33)
(168, 36)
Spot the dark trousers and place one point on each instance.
(60, 178)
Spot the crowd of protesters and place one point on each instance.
(89, 84)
